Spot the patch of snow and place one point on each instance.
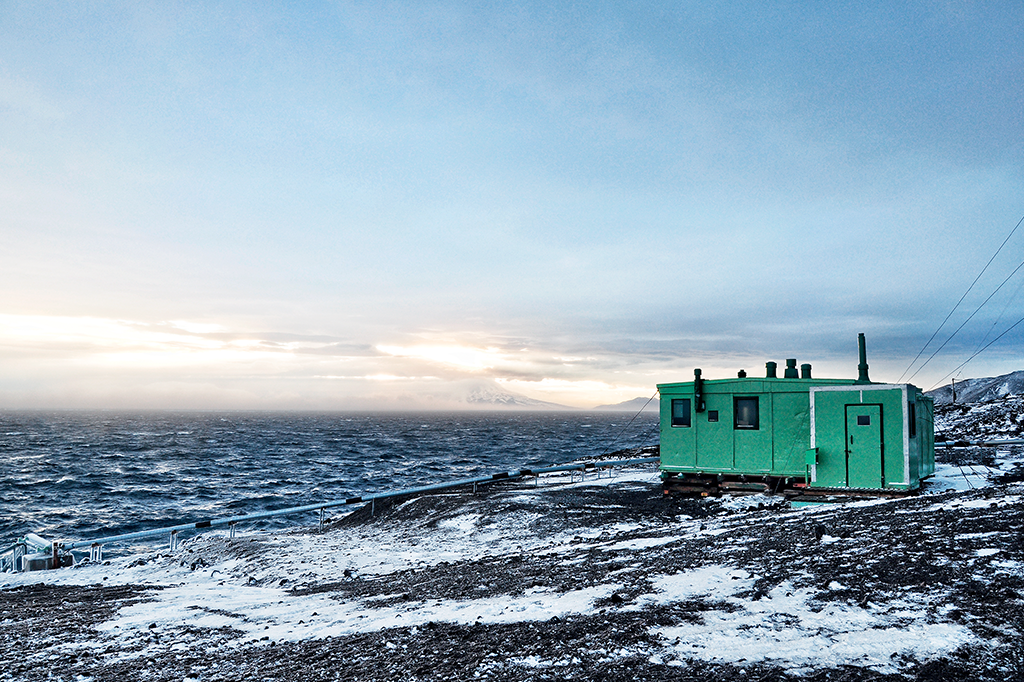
(974, 504)
(464, 523)
(640, 543)
(783, 627)
(528, 662)
(720, 581)
(747, 502)
(713, 531)
(951, 477)
(273, 613)
(974, 536)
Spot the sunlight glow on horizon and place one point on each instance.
(121, 349)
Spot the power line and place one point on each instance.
(968, 320)
(623, 429)
(937, 329)
(1001, 313)
(978, 352)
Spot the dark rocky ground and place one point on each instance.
(924, 547)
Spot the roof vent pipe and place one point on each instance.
(791, 372)
(770, 374)
(805, 371)
(742, 374)
(698, 391)
(862, 368)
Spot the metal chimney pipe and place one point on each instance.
(805, 371)
(770, 370)
(791, 372)
(698, 391)
(862, 368)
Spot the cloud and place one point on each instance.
(84, 361)
(461, 357)
(26, 100)
(404, 198)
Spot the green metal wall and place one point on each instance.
(796, 415)
(881, 454)
(778, 447)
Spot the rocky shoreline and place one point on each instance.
(601, 579)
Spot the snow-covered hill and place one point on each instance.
(634, 405)
(492, 396)
(981, 390)
(996, 419)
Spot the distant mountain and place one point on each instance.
(634, 405)
(981, 390)
(491, 396)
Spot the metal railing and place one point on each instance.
(95, 545)
(12, 558)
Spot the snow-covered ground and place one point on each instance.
(1001, 418)
(568, 579)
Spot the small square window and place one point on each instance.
(863, 420)
(712, 415)
(681, 412)
(746, 416)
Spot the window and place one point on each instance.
(712, 415)
(746, 413)
(863, 420)
(681, 412)
(912, 418)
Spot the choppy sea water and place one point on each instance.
(78, 475)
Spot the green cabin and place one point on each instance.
(795, 433)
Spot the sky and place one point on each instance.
(348, 205)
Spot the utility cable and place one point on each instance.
(1001, 313)
(932, 356)
(618, 438)
(965, 476)
(647, 437)
(935, 333)
(976, 353)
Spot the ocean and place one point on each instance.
(78, 475)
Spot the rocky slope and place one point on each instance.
(981, 390)
(1000, 418)
(602, 578)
